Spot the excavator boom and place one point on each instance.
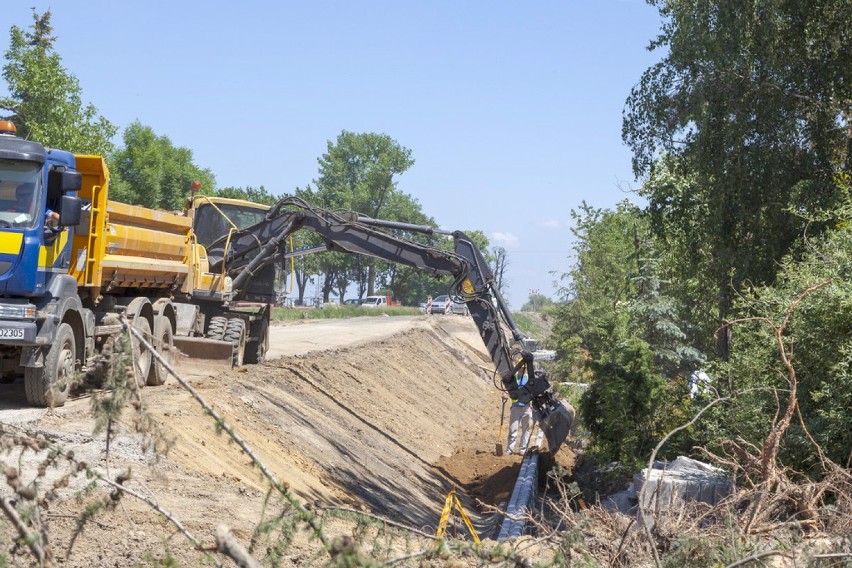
(246, 252)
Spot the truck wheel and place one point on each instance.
(217, 327)
(164, 342)
(141, 356)
(256, 349)
(236, 334)
(50, 385)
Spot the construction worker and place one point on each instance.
(520, 417)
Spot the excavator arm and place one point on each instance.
(244, 253)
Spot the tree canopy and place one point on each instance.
(149, 170)
(751, 103)
(740, 136)
(45, 99)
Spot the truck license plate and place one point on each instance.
(14, 333)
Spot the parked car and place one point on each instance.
(376, 302)
(442, 305)
(352, 302)
(458, 306)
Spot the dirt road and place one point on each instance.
(381, 414)
(302, 337)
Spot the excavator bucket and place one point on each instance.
(556, 425)
(206, 352)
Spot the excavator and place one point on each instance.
(245, 255)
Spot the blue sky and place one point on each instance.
(512, 111)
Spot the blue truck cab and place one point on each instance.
(38, 210)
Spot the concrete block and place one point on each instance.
(680, 481)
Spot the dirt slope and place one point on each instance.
(389, 427)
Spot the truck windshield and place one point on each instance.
(210, 225)
(20, 189)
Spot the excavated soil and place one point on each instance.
(388, 427)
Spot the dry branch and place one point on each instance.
(33, 541)
(758, 556)
(227, 544)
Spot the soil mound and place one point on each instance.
(388, 427)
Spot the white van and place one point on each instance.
(375, 302)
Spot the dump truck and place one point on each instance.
(73, 262)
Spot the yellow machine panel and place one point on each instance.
(121, 246)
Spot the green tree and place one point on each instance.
(752, 101)
(45, 100)
(656, 318)
(357, 172)
(253, 194)
(602, 281)
(150, 171)
(621, 406)
(676, 215)
(537, 303)
(619, 330)
(821, 331)
(498, 267)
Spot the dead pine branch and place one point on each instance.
(644, 515)
(33, 541)
(227, 544)
(758, 556)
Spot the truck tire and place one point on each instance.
(235, 332)
(50, 385)
(256, 350)
(164, 342)
(142, 358)
(217, 327)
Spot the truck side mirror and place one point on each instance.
(70, 208)
(61, 181)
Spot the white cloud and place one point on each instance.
(548, 224)
(507, 239)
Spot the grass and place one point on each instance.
(531, 324)
(333, 311)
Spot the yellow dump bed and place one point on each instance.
(127, 246)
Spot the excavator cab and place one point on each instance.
(217, 219)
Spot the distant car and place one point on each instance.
(442, 305)
(458, 306)
(375, 302)
(352, 302)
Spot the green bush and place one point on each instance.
(620, 408)
(820, 330)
